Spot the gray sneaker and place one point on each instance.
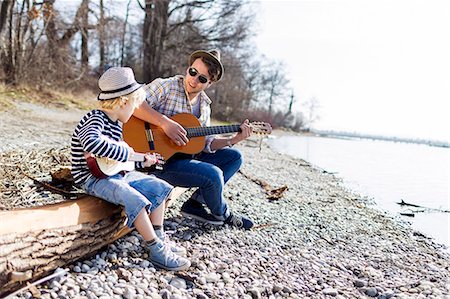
(161, 256)
(171, 244)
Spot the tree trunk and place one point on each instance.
(101, 41)
(155, 26)
(50, 31)
(6, 40)
(122, 50)
(5, 9)
(84, 35)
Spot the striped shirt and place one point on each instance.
(96, 133)
(168, 97)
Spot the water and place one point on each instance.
(386, 171)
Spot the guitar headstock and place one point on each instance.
(261, 128)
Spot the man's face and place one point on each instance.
(196, 73)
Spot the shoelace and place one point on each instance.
(167, 241)
(168, 254)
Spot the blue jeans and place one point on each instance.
(209, 172)
(134, 191)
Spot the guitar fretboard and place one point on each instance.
(205, 131)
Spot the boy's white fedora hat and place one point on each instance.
(116, 82)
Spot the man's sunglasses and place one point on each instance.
(193, 72)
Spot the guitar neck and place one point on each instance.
(214, 130)
(137, 157)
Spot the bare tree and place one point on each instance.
(6, 39)
(122, 51)
(177, 27)
(311, 107)
(101, 37)
(276, 81)
(154, 33)
(84, 28)
(5, 14)
(231, 96)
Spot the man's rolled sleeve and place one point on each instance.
(209, 140)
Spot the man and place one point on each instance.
(218, 162)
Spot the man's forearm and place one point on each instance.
(219, 143)
(148, 114)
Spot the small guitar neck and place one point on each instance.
(214, 130)
(137, 157)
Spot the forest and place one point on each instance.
(66, 45)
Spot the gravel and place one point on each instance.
(319, 240)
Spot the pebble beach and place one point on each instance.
(318, 240)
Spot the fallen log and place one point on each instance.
(35, 241)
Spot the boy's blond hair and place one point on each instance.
(136, 98)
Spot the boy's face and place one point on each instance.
(126, 110)
(193, 73)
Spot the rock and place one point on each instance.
(178, 283)
(359, 283)
(371, 292)
(212, 277)
(330, 292)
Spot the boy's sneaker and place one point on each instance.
(239, 221)
(171, 244)
(196, 210)
(161, 256)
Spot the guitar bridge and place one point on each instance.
(149, 135)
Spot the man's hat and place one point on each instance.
(116, 82)
(213, 55)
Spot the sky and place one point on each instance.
(375, 66)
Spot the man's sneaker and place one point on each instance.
(171, 244)
(196, 210)
(161, 256)
(239, 221)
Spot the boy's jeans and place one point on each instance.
(134, 191)
(208, 171)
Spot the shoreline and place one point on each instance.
(319, 240)
(389, 197)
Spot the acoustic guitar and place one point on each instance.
(145, 137)
(102, 167)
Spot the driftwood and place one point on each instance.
(36, 241)
(271, 193)
(419, 209)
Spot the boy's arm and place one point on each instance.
(93, 141)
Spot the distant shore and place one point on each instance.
(333, 134)
(350, 135)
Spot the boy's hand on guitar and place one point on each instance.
(154, 159)
(175, 132)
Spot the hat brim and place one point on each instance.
(111, 95)
(205, 54)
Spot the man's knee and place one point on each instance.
(214, 175)
(235, 155)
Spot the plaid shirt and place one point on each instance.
(168, 96)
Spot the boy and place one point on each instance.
(100, 133)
